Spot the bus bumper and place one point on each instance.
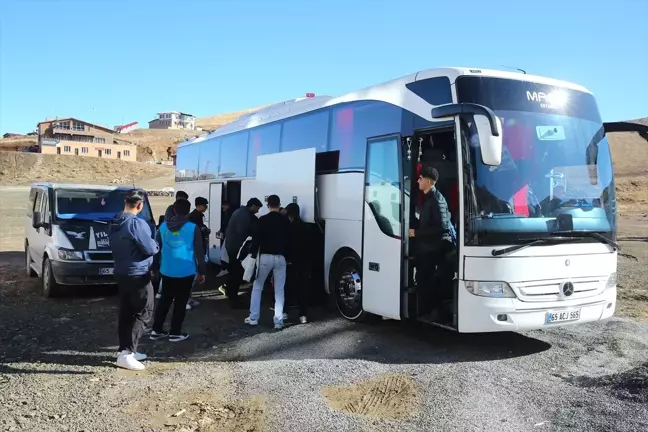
(482, 314)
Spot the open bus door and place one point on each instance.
(214, 220)
(290, 175)
(382, 228)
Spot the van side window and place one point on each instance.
(38, 201)
(32, 200)
(45, 214)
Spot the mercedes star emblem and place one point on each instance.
(567, 262)
(568, 289)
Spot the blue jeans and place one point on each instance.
(277, 265)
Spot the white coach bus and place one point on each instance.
(524, 164)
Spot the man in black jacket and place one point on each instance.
(432, 237)
(197, 216)
(270, 244)
(299, 259)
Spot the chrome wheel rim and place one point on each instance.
(350, 288)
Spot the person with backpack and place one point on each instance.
(181, 261)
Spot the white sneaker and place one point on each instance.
(303, 320)
(188, 307)
(128, 360)
(251, 322)
(140, 356)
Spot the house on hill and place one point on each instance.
(173, 120)
(71, 136)
(126, 128)
(11, 135)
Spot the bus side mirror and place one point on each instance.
(489, 144)
(488, 125)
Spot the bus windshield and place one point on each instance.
(88, 204)
(555, 160)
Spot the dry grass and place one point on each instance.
(23, 168)
(213, 122)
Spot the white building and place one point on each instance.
(173, 120)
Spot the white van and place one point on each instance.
(66, 233)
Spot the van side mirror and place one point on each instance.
(488, 125)
(37, 220)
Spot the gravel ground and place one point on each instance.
(57, 373)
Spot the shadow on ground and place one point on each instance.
(80, 329)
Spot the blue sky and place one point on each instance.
(131, 59)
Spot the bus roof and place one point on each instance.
(391, 92)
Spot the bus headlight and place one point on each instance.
(612, 281)
(69, 255)
(490, 289)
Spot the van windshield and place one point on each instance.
(88, 204)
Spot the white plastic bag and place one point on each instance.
(249, 266)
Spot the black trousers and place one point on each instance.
(234, 279)
(175, 291)
(430, 280)
(135, 309)
(297, 283)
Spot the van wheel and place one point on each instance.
(29, 271)
(346, 284)
(49, 287)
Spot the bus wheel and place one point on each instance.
(346, 282)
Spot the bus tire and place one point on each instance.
(345, 282)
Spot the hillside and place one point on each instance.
(629, 153)
(213, 122)
(630, 158)
(22, 168)
(154, 144)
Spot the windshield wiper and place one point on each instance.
(532, 242)
(585, 234)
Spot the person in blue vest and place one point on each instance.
(180, 261)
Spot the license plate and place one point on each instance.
(562, 316)
(106, 271)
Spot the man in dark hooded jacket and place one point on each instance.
(168, 214)
(241, 225)
(181, 260)
(133, 249)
